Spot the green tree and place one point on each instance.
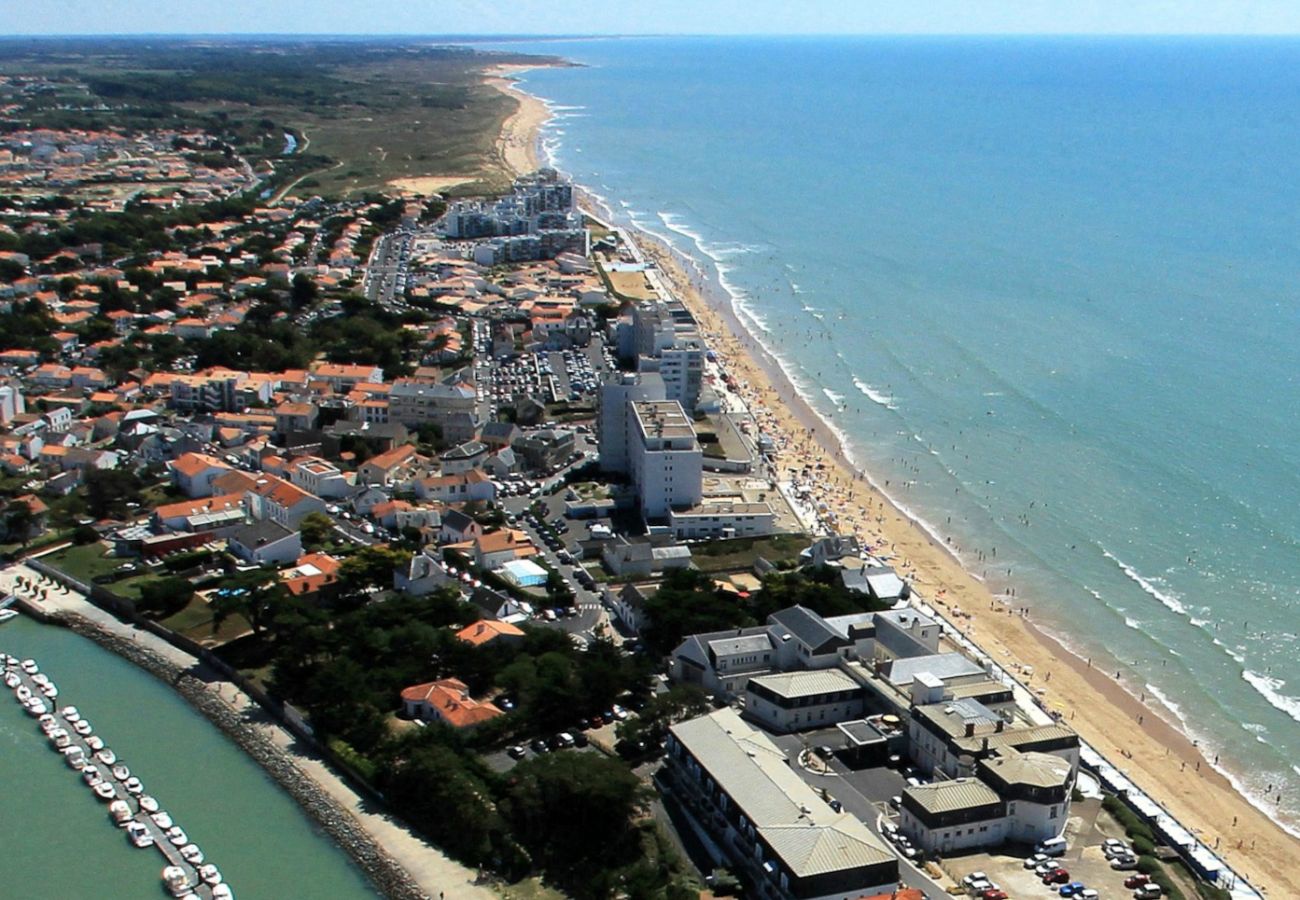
(303, 292)
(165, 597)
(372, 566)
(563, 805)
(109, 491)
(18, 521)
(316, 529)
(254, 595)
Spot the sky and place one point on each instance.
(570, 17)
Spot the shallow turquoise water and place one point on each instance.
(58, 840)
(1045, 288)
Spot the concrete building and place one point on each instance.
(767, 825)
(613, 425)
(801, 701)
(665, 460)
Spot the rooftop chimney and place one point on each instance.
(970, 731)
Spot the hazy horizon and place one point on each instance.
(590, 18)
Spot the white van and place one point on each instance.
(1051, 847)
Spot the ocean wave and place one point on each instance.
(1270, 689)
(872, 394)
(836, 398)
(1135, 576)
(1167, 704)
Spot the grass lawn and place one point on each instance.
(84, 562)
(196, 622)
(738, 554)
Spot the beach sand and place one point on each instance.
(1154, 754)
(426, 185)
(517, 147)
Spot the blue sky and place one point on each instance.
(432, 17)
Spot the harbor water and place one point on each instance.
(59, 840)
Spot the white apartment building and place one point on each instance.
(614, 424)
(666, 462)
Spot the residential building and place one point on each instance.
(265, 543)
(803, 700)
(767, 824)
(614, 422)
(665, 460)
(447, 701)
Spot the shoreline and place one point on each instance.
(396, 862)
(1152, 751)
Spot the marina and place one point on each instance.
(187, 874)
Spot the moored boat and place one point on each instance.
(162, 819)
(29, 666)
(75, 756)
(106, 756)
(222, 892)
(95, 743)
(7, 614)
(120, 811)
(121, 772)
(133, 785)
(70, 713)
(177, 882)
(210, 873)
(82, 727)
(177, 836)
(35, 707)
(147, 804)
(105, 791)
(192, 854)
(138, 834)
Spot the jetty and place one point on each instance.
(130, 808)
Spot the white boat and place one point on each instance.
(120, 810)
(177, 836)
(138, 833)
(23, 693)
(75, 756)
(210, 873)
(47, 722)
(178, 883)
(91, 775)
(62, 740)
(121, 772)
(104, 790)
(192, 854)
(36, 707)
(222, 892)
(147, 804)
(106, 756)
(29, 666)
(50, 691)
(40, 679)
(95, 743)
(7, 614)
(12, 680)
(133, 785)
(162, 819)
(82, 727)
(70, 713)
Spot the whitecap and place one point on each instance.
(872, 394)
(1168, 600)
(1270, 689)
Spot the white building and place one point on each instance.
(614, 425)
(665, 460)
(801, 701)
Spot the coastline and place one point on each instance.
(1135, 736)
(397, 863)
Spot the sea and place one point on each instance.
(58, 839)
(1047, 291)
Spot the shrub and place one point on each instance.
(84, 534)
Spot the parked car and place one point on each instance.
(538, 745)
(1073, 889)
(973, 877)
(1057, 876)
(1148, 892)
(1136, 881)
(1124, 863)
(518, 751)
(994, 894)
(1036, 860)
(1051, 847)
(1112, 848)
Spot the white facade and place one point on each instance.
(666, 462)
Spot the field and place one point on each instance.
(365, 114)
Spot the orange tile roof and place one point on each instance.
(485, 630)
(450, 697)
(191, 464)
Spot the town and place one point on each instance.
(464, 484)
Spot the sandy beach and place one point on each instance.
(1129, 731)
(521, 131)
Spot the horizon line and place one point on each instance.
(485, 37)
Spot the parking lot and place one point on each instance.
(1084, 861)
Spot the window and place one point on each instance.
(1053, 815)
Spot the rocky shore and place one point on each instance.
(384, 872)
